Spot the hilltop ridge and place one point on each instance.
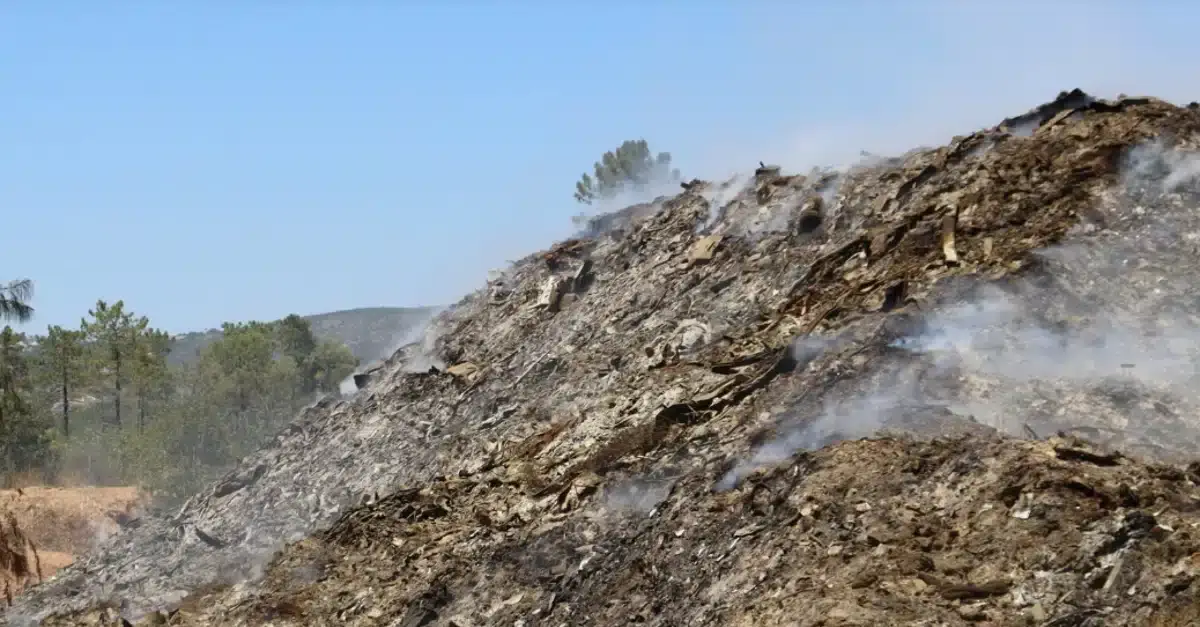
(659, 422)
(367, 331)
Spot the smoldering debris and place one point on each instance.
(1157, 164)
(770, 202)
(997, 363)
(421, 344)
(1113, 334)
(718, 196)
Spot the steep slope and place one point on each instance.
(619, 429)
(369, 332)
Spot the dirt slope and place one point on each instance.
(70, 519)
(618, 430)
(44, 528)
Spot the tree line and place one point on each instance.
(101, 405)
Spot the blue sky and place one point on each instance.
(211, 161)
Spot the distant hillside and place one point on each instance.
(369, 332)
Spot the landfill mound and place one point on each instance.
(659, 421)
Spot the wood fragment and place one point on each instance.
(948, 251)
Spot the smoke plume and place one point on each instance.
(1109, 346)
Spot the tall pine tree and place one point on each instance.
(22, 437)
(150, 375)
(60, 358)
(112, 333)
(14, 380)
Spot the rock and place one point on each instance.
(465, 370)
(911, 587)
(704, 248)
(692, 334)
(551, 294)
(972, 612)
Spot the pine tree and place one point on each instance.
(113, 334)
(320, 365)
(21, 438)
(295, 337)
(14, 377)
(328, 365)
(630, 166)
(149, 369)
(61, 362)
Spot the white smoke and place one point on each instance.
(1005, 353)
(422, 330)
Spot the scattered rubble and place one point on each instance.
(658, 422)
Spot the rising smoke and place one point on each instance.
(422, 331)
(1110, 346)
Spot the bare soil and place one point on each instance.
(45, 527)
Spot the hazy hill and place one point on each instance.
(369, 331)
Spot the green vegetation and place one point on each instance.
(630, 166)
(102, 404)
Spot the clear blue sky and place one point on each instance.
(211, 161)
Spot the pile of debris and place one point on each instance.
(656, 422)
(872, 532)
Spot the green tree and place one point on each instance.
(295, 337)
(631, 165)
(113, 334)
(328, 365)
(320, 365)
(238, 366)
(150, 375)
(296, 342)
(60, 359)
(14, 301)
(24, 443)
(14, 376)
